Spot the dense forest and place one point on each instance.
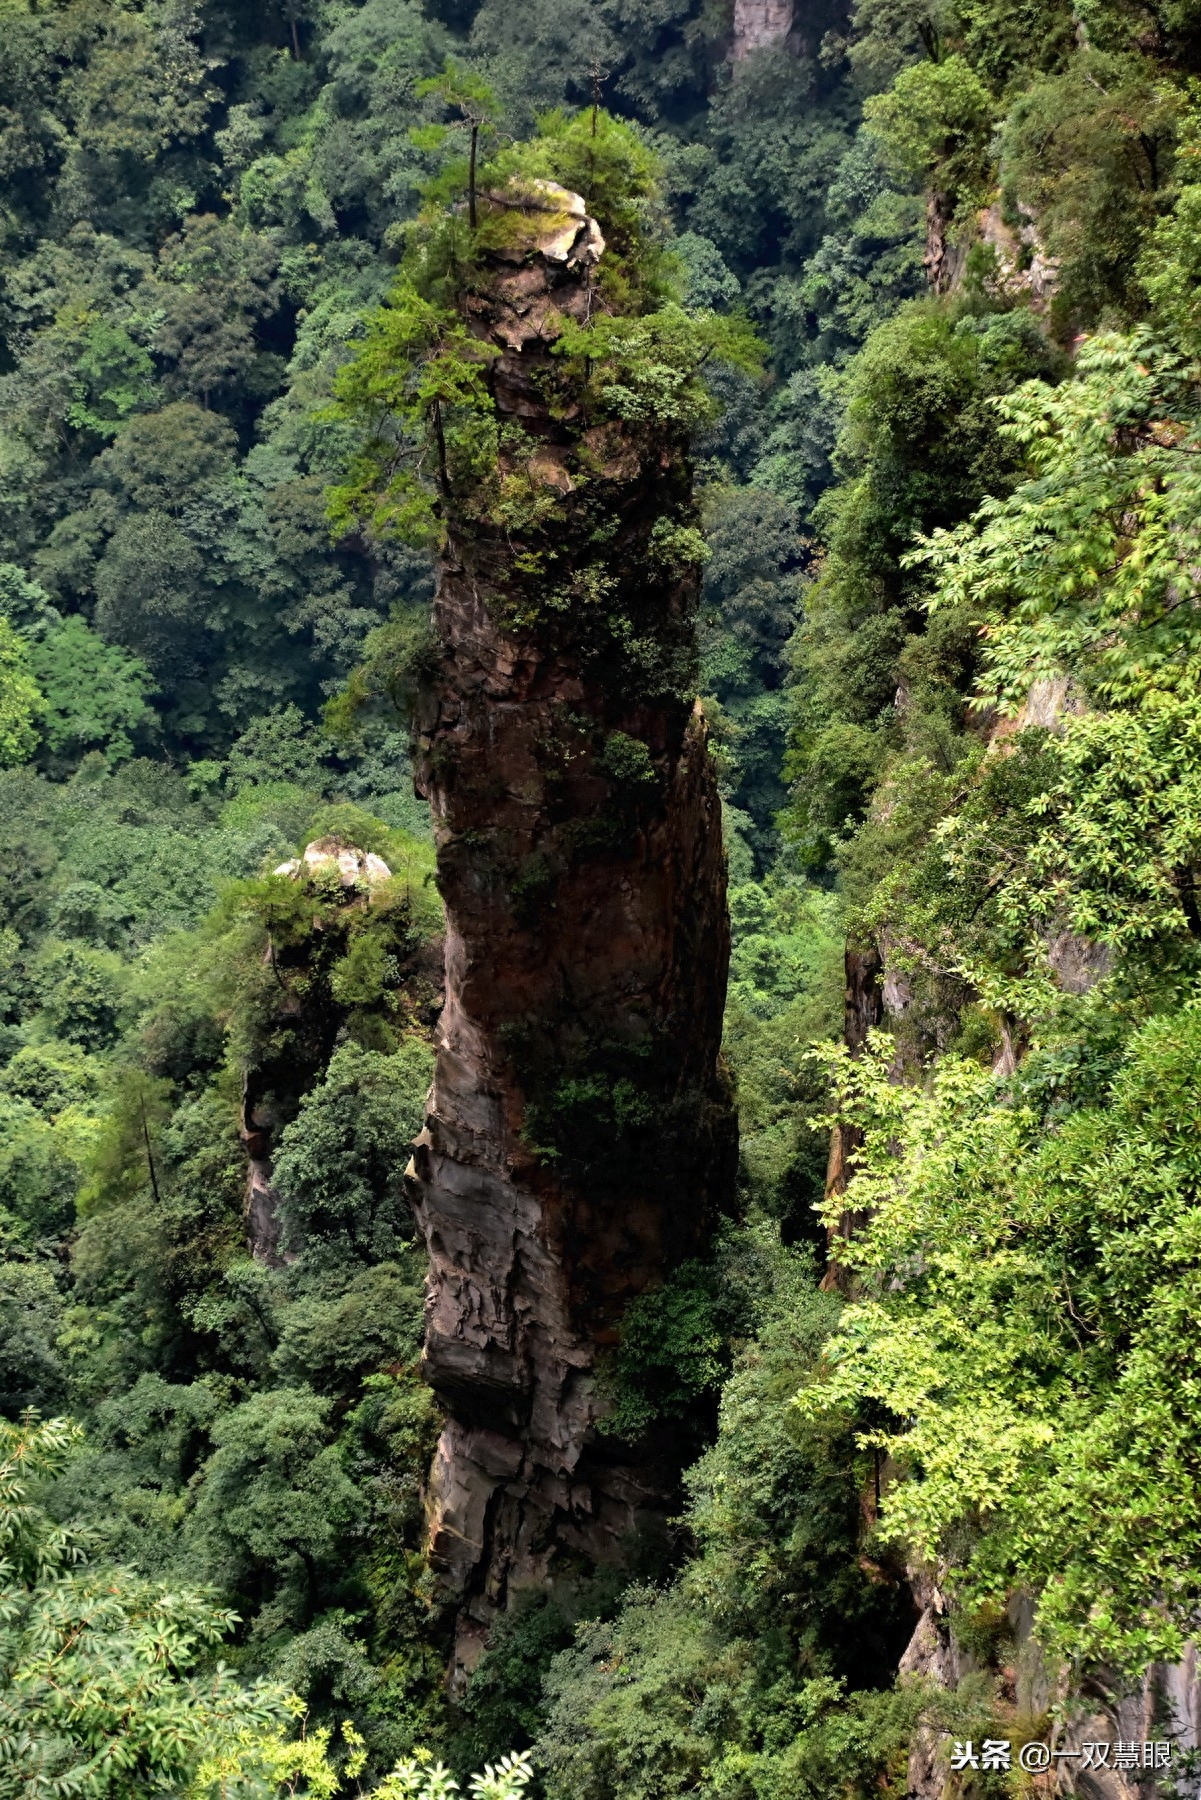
(940, 1358)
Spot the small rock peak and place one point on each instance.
(545, 220)
(355, 867)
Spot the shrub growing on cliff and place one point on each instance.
(922, 444)
(1029, 1303)
(624, 387)
(341, 1162)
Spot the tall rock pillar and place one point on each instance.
(580, 1136)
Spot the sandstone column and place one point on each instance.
(580, 1137)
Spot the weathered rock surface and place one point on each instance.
(759, 24)
(354, 867)
(1023, 269)
(586, 957)
(1166, 1704)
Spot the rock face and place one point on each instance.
(1165, 1704)
(1023, 267)
(579, 1138)
(758, 24)
(354, 868)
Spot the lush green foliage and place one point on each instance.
(20, 701)
(1012, 810)
(736, 1676)
(104, 1690)
(1026, 1326)
(99, 1689)
(950, 564)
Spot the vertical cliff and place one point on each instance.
(580, 1137)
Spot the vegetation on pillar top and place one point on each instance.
(579, 524)
(619, 366)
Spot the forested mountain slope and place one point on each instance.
(949, 663)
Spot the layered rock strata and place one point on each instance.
(579, 1136)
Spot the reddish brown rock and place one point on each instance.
(579, 1138)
